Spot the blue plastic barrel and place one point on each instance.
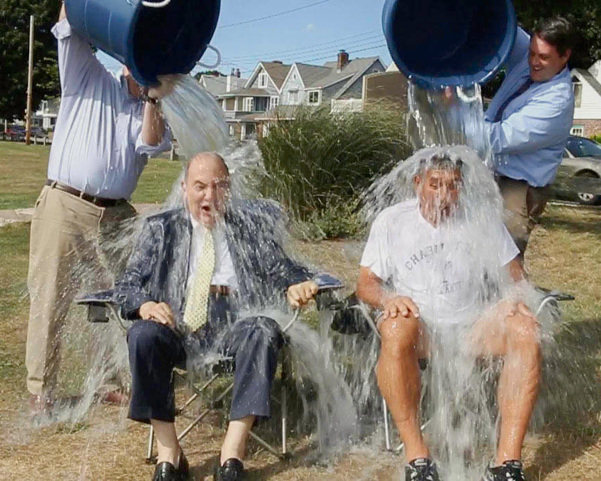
(150, 41)
(440, 43)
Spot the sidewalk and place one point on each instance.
(12, 216)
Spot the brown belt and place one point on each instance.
(98, 201)
(221, 290)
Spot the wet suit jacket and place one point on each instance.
(158, 268)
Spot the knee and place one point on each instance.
(143, 336)
(400, 336)
(264, 330)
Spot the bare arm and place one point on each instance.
(516, 271)
(153, 125)
(63, 13)
(369, 289)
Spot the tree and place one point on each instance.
(585, 16)
(14, 45)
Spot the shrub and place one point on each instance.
(318, 164)
(596, 138)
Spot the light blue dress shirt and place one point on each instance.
(529, 141)
(97, 146)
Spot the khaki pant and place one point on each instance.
(63, 252)
(524, 205)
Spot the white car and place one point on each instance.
(579, 175)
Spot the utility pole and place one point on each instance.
(29, 84)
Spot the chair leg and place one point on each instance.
(386, 425)
(149, 457)
(284, 420)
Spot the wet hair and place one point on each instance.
(556, 31)
(214, 154)
(440, 162)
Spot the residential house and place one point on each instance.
(45, 116)
(260, 93)
(587, 94)
(218, 85)
(338, 84)
(386, 86)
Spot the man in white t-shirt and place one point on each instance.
(423, 268)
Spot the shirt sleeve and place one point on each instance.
(376, 255)
(77, 63)
(520, 51)
(541, 123)
(144, 149)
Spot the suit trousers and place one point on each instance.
(524, 205)
(63, 252)
(155, 350)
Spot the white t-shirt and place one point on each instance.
(440, 268)
(224, 273)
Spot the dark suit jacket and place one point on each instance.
(158, 268)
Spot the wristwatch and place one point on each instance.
(148, 99)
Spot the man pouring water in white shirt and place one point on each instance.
(428, 265)
(106, 129)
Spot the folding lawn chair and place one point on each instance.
(103, 307)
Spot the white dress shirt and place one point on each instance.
(224, 273)
(97, 146)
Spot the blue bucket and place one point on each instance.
(150, 41)
(440, 43)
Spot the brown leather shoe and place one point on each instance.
(40, 405)
(114, 398)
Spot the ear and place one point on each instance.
(417, 180)
(568, 54)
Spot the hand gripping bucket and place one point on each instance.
(440, 43)
(151, 37)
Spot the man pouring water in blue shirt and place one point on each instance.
(529, 121)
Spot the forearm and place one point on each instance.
(153, 125)
(370, 289)
(63, 14)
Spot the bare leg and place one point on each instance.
(168, 445)
(399, 380)
(518, 386)
(234, 444)
(514, 337)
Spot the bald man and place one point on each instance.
(158, 290)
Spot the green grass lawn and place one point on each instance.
(23, 173)
(564, 254)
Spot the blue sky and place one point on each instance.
(312, 35)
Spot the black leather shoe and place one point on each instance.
(167, 472)
(231, 470)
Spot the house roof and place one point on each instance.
(351, 73)
(215, 85)
(310, 74)
(592, 81)
(277, 71)
(246, 93)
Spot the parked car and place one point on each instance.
(579, 175)
(15, 132)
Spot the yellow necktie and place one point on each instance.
(196, 314)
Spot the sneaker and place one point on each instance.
(508, 471)
(421, 469)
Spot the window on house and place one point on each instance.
(249, 104)
(314, 97)
(577, 130)
(274, 102)
(293, 97)
(577, 85)
(262, 80)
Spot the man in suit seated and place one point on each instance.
(193, 271)
(428, 267)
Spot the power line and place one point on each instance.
(279, 14)
(354, 51)
(306, 47)
(348, 46)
